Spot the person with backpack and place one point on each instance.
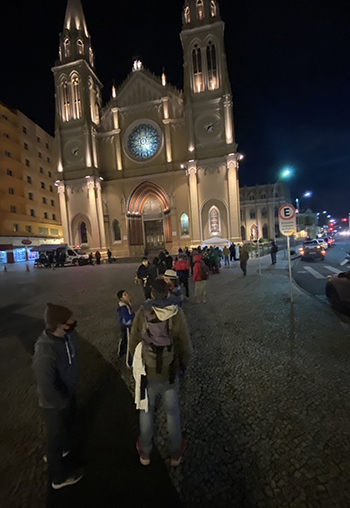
(200, 277)
(160, 330)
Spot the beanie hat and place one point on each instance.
(171, 274)
(56, 315)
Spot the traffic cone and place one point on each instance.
(27, 269)
(5, 268)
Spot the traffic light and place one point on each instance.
(344, 220)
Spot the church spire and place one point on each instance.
(197, 13)
(75, 42)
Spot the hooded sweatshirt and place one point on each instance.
(56, 369)
(178, 332)
(125, 315)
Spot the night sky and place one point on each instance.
(289, 64)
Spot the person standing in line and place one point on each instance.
(274, 250)
(226, 253)
(168, 261)
(143, 274)
(109, 255)
(176, 292)
(98, 257)
(56, 370)
(162, 330)
(232, 252)
(182, 267)
(91, 257)
(125, 318)
(243, 258)
(200, 276)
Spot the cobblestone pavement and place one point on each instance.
(265, 402)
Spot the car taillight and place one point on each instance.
(323, 252)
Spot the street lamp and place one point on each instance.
(284, 174)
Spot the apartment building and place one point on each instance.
(29, 204)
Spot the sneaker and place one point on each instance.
(176, 461)
(74, 478)
(145, 461)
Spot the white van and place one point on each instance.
(73, 256)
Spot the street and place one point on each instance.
(311, 275)
(264, 403)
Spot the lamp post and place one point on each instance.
(285, 173)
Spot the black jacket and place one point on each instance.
(56, 369)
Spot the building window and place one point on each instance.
(47, 146)
(51, 188)
(32, 212)
(252, 214)
(9, 172)
(16, 228)
(265, 231)
(11, 190)
(46, 216)
(184, 225)
(52, 202)
(41, 169)
(213, 8)
(254, 232)
(43, 231)
(44, 200)
(49, 174)
(80, 45)
(48, 159)
(40, 155)
(276, 211)
(7, 153)
(29, 179)
(242, 215)
(251, 197)
(30, 196)
(214, 221)
(54, 232)
(38, 139)
(53, 216)
(24, 129)
(29, 229)
(28, 163)
(42, 185)
(263, 196)
(76, 97)
(243, 233)
(66, 47)
(212, 67)
(263, 213)
(13, 209)
(26, 146)
(187, 15)
(83, 232)
(197, 69)
(65, 100)
(200, 9)
(117, 234)
(91, 57)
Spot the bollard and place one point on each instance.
(27, 269)
(5, 268)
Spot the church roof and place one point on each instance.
(75, 16)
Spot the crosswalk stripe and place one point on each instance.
(331, 269)
(343, 262)
(313, 272)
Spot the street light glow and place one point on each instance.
(324, 211)
(307, 194)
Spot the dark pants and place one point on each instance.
(184, 281)
(61, 437)
(244, 267)
(232, 257)
(273, 258)
(123, 345)
(227, 261)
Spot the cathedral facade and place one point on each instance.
(156, 167)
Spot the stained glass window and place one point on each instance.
(143, 141)
(214, 221)
(116, 231)
(185, 230)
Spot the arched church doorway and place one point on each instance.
(149, 217)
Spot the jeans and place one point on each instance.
(169, 394)
(61, 437)
(273, 258)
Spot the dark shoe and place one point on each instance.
(145, 461)
(176, 461)
(73, 479)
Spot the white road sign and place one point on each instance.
(287, 220)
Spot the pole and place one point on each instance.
(349, 222)
(259, 257)
(290, 270)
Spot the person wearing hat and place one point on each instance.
(171, 278)
(56, 370)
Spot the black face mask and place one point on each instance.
(71, 327)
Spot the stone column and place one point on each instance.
(194, 204)
(233, 197)
(228, 119)
(100, 215)
(64, 212)
(118, 150)
(168, 150)
(96, 239)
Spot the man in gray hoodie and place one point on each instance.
(56, 370)
(160, 325)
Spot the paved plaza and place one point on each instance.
(265, 403)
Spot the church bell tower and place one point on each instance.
(78, 104)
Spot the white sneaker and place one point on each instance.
(75, 478)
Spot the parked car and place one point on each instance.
(322, 242)
(338, 291)
(73, 256)
(312, 250)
